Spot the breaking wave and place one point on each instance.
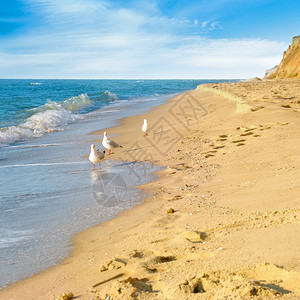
(77, 103)
(52, 116)
(52, 119)
(109, 95)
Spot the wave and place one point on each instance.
(37, 125)
(41, 164)
(109, 95)
(35, 83)
(36, 146)
(10, 237)
(50, 117)
(53, 116)
(77, 103)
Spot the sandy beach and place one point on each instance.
(222, 219)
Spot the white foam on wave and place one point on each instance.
(48, 118)
(11, 237)
(41, 164)
(36, 146)
(9, 135)
(110, 95)
(76, 103)
(35, 83)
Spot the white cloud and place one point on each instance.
(66, 7)
(210, 25)
(94, 39)
(215, 25)
(204, 24)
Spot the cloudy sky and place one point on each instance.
(144, 38)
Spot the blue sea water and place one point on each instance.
(48, 190)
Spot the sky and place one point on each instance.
(148, 39)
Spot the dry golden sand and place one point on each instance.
(222, 219)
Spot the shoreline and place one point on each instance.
(183, 226)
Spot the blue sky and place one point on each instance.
(144, 38)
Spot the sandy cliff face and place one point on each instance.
(290, 64)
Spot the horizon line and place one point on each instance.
(123, 78)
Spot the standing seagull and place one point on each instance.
(109, 144)
(145, 127)
(96, 156)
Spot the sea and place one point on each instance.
(48, 188)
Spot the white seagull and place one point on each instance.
(109, 144)
(96, 156)
(145, 127)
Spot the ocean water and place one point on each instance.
(48, 190)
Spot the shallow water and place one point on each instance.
(49, 192)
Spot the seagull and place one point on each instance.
(145, 127)
(96, 156)
(109, 144)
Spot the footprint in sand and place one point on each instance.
(247, 130)
(238, 141)
(211, 285)
(286, 106)
(169, 218)
(210, 151)
(246, 133)
(250, 130)
(257, 108)
(176, 197)
(113, 264)
(136, 254)
(142, 285)
(157, 263)
(222, 138)
(128, 288)
(193, 237)
(163, 259)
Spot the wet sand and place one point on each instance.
(222, 219)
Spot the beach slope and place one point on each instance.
(222, 219)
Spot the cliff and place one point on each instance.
(290, 63)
